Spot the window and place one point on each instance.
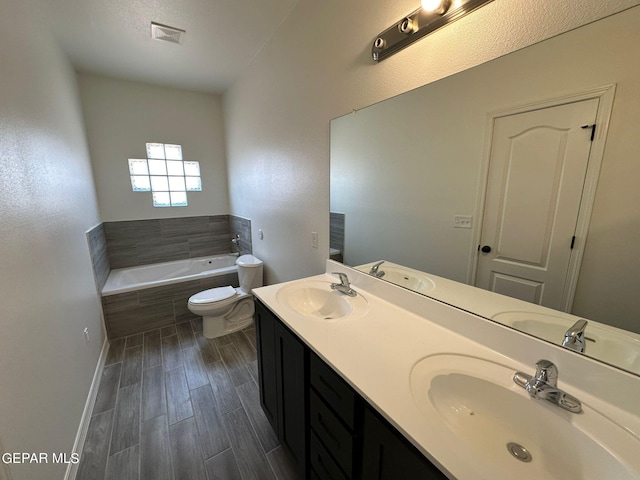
(165, 174)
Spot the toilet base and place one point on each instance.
(240, 316)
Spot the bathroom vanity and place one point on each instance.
(391, 384)
(308, 403)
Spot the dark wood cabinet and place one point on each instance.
(387, 455)
(331, 432)
(282, 360)
(334, 418)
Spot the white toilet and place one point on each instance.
(226, 309)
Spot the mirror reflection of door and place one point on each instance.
(537, 169)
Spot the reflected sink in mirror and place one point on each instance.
(506, 434)
(315, 299)
(609, 344)
(402, 276)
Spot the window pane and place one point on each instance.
(161, 199)
(157, 167)
(140, 183)
(155, 150)
(159, 184)
(173, 152)
(193, 184)
(192, 169)
(176, 184)
(138, 167)
(178, 199)
(175, 168)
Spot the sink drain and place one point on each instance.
(519, 452)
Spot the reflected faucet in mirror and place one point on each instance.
(574, 338)
(375, 269)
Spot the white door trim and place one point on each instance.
(606, 95)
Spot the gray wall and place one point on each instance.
(47, 204)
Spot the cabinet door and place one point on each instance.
(282, 378)
(267, 369)
(292, 388)
(387, 455)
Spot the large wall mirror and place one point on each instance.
(411, 181)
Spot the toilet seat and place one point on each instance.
(215, 296)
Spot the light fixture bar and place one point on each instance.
(418, 24)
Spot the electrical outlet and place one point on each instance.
(86, 334)
(314, 239)
(462, 221)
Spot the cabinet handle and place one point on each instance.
(324, 468)
(328, 385)
(326, 429)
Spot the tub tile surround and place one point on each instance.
(133, 243)
(99, 255)
(151, 308)
(173, 405)
(241, 226)
(336, 234)
(403, 327)
(141, 242)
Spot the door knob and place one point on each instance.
(485, 249)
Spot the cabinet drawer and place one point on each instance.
(333, 389)
(333, 434)
(322, 464)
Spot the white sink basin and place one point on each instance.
(403, 276)
(488, 417)
(407, 279)
(315, 299)
(605, 343)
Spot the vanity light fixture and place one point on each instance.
(432, 15)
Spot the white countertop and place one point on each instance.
(375, 354)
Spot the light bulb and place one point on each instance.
(435, 6)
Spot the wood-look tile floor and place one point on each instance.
(173, 405)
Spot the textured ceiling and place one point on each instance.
(112, 37)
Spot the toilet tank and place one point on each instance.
(249, 272)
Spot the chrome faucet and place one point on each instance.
(374, 270)
(344, 286)
(544, 386)
(574, 338)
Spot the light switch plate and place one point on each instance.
(462, 221)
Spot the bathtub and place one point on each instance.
(122, 280)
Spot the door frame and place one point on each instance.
(605, 95)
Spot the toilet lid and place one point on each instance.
(248, 260)
(213, 295)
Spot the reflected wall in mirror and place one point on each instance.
(403, 169)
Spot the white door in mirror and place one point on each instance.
(536, 176)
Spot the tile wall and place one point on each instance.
(241, 226)
(336, 235)
(99, 255)
(140, 242)
(143, 310)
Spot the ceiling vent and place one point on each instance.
(167, 33)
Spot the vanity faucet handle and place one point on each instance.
(344, 280)
(546, 372)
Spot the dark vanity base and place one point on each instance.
(331, 431)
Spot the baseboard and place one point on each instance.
(72, 468)
(5, 473)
